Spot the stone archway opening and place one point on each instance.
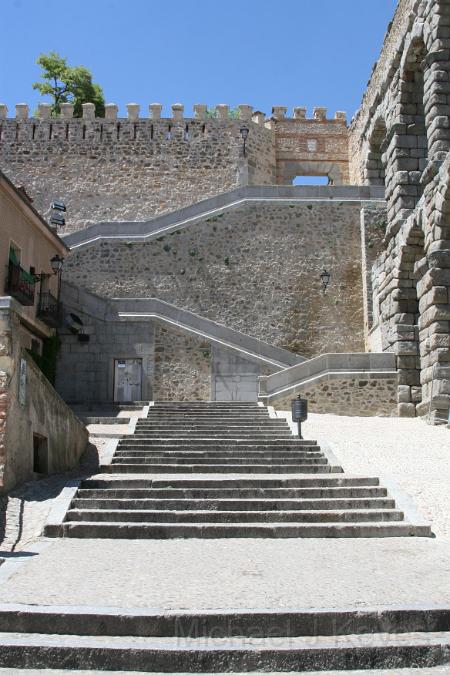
(331, 172)
(412, 130)
(405, 322)
(374, 171)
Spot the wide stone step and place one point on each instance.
(214, 428)
(73, 620)
(144, 516)
(205, 438)
(217, 468)
(213, 454)
(209, 415)
(211, 434)
(180, 654)
(133, 444)
(231, 493)
(225, 482)
(285, 443)
(155, 503)
(202, 439)
(266, 461)
(255, 530)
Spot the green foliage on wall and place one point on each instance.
(68, 84)
(47, 360)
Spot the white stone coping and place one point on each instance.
(355, 365)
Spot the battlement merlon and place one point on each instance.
(201, 112)
(299, 114)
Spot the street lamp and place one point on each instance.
(325, 277)
(56, 262)
(244, 131)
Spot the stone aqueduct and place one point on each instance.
(392, 294)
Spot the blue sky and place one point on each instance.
(294, 52)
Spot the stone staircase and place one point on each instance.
(94, 639)
(212, 470)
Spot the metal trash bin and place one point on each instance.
(299, 408)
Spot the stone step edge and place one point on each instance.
(344, 481)
(133, 530)
(88, 620)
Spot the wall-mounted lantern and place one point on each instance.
(325, 277)
(244, 131)
(56, 262)
(49, 307)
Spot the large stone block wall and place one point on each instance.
(378, 85)
(401, 137)
(255, 268)
(345, 396)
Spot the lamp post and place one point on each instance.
(325, 277)
(57, 263)
(244, 131)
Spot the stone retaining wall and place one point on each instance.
(353, 397)
(182, 367)
(255, 269)
(31, 409)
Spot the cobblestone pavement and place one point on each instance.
(233, 573)
(24, 511)
(415, 455)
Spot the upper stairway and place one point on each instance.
(222, 469)
(144, 230)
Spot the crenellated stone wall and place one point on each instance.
(137, 167)
(311, 147)
(133, 168)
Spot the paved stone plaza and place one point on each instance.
(232, 573)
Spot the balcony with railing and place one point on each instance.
(20, 284)
(49, 309)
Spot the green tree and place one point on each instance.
(68, 84)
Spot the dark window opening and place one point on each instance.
(40, 454)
